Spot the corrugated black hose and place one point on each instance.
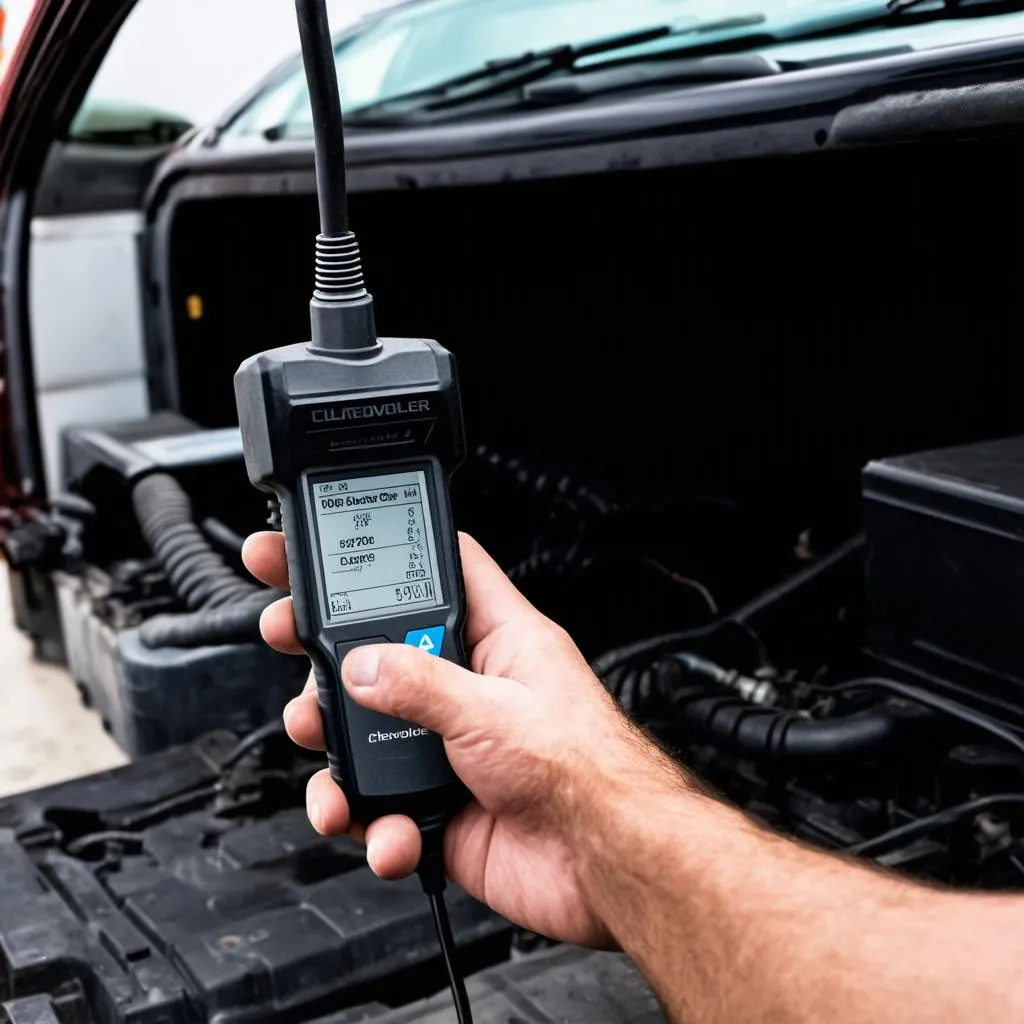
(198, 575)
(773, 734)
(224, 607)
(237, 623)
(747, 723)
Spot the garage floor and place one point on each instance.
(46, 735)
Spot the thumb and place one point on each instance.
(416, 687)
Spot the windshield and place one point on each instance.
(430, 41)
(425, 43)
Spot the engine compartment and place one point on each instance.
(673, 380)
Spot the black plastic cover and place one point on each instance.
(102, 464)
(945, 565)
(129, 450)
(558, 986)
(169, 891)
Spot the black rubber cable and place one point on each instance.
(740, 618)
(341, 311)
(434, 882)
(443, 925)
(249, 742)
(903, 834)
(538, 482)
(818, 568)
(651, 647)
(325, 101)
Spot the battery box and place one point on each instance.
(152, 698)
(945, 566)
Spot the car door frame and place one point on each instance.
(61, 49)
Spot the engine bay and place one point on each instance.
(693, 433)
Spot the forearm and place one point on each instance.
(731, 923)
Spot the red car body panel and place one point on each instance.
(58, 53)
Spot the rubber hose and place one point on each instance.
(222, 534)
(198, 575)
(237, 623)
(774, 735)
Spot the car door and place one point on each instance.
(47, 77)
(96, 97)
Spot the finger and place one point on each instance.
(393, 847)
(263, 555)
(277, 625)
(414, 686)
(492, 599)
(326, 805)
(302, 719)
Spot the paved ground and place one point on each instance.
(45, 733)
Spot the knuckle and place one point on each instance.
(558, 634)
(558, 639)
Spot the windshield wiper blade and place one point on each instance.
(731, 35)
(683, 71)
(505, 75)
(563, 80)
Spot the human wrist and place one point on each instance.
(624, 784)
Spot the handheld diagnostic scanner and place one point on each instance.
(357, 448)
(355, 437)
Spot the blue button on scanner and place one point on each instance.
(429, 640)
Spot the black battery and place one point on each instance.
(945, 566)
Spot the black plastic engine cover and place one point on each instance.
(216, 901)
(558, 986)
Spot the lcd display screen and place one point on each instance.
(376, 546)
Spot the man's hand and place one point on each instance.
(530, 731)
(583, 830)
